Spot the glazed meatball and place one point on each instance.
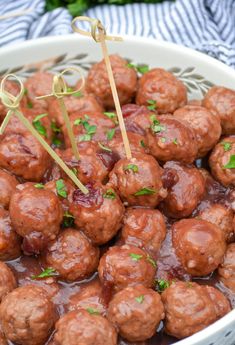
(39, 84)
(126, 266)
(144, 228)
(36, 214)
(137, 118)
(221, 216)
(171, 139)
(125, 80)
(8, 184)
(190, 308)
(23, 155)
(27, 315)
(83, 105)
(227, 268)
(164, 88)
(68, 189)
(136, 312)
(199, 245)
(221, 101)
(10, 242)
(98, 214)
(221, 303)
(186, 187)
(82, 327)
(137, 144)
(221, 161)
(94, 127)
(3, 340)
(138, 180)
(89, 297)
(72, 255)
(7, 280)
(206, 126)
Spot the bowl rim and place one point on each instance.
(229, 318)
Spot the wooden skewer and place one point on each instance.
(12, 103)
(101, 37)
(16, 14)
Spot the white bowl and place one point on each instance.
(197, 70)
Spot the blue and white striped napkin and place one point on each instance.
(205, 25)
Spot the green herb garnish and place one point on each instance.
(231, 163)
(90, 129)
(110, 115)
(29, 105)
(56, 142)
(227, 146)
(163, 140)
(39, 126)
(92, 311)
(151, 261)
(54, 128)
(68, 220)
(161, 285)
(135, 257)
(152, 104)
(145, 191)
(75, 171)
(142, 69)
(132, 167)
(175, 141)
(140, 299)
(47, 272)
(25, 91)
(76, 94)
(142, 143)
(111, 133)
(61, 188)
(109, 194)
(105, 148)
(39, 185)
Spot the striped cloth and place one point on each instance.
(205, 25)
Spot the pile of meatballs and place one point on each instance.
(151, 247)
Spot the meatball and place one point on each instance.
(227, 268)
(82, 327)
(83, 105)
(36, 214)
(221, 216)
(136, 312)
(98, 214)
(206, 126)
(125, 79)
(24, 156)
(27, 315)
(137, 118)
(68, 189)
(126, 266)
(3, 340)
(171, 139)
(199, 245)
(138, 180)
(164, 88)
(89, 297)
(7, 280)
(144, 228)
(137, 144)
(72, 255)
(39, 84)
(190, 307)
(10, 242)
(221, 101)
(186, 187)
(94, 127)
(8, 184)
(221, 161)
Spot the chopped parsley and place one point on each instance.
(76, 94)
(156, 126)
(39, 126)
(175, 141)
(151, 104)
(231, 163)
(39, 186)
(90, 129)
(29, 105)
(111, 133)
(105, 148)
(54, 128)
(56, 142)
(142, 143)
(25, 91)
(151, 261)
(161, 285)
(142, 69)
(227, 146)
(75, 171)
(136, 257)
(92, 311)
(109, 194)
(132, 167)
(61, 188)
(140, 299)
(163, 139)
(47, 272)
(68, 220)
(145, 191)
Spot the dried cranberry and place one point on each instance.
(94, 197)
(108, 158)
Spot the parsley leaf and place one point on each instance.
(39, 185)
(163, 140)
(105, 148)
(151, 261)
(54, 128)
(39, 126)
(140, 299)
(90, 129)
(61, 188)
(92, 311)
(56, 142)
(111, 133)
(68, 220)
(231, 163)
(175, 141)
(29, 105)
(161, 285)
(135, 257)
(47, 272)
(145, 191)
(109, 194)
(227, 146)
(152, 104)
(142, 69)
(142, 143)
(132, 167)
(110, 115)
